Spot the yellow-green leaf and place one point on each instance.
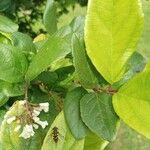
(112, 30)
(93, 142)
(132, 102)
(65, 139)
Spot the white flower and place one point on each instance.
(17, 128)
(27, 132)
(10, 120)
(35, 126)
(36, 119)
(22, 102)
(42, 123)
(35, 113)
(5, 116)
(44, 106)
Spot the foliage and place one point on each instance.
(69, 88)
(26, 13)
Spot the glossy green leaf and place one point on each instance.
(23, 42)
(84, 70)
(52, 50)
(132, 102)
(13, 64)
(6, 25)
(11, 140)
(65, 139)
(98, 114)
(72, 113)
(93, 142)
(112, 30)
(50, 17)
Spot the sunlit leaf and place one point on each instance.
(64, 137)
(132, 102)
(112, 30)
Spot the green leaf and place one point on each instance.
(5, 4)
(132, 102)
(4, 39)
(98, 114)
(52, 50)
(13, 64)
(144, 44)
(93, 142)
(72, 113)
(2, 113)
(64, 71)
(65, 139)
(112, 30)
(77, 25)
(82, 66)
(10, 90)
(3, 98)
(6, 25)
(11, 140)
(48, 78)
(50, 17)
(23, 42)
(135, 65)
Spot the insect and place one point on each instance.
(55, 134)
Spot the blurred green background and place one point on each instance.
(29, 15)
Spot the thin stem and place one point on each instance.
(26, 91)
(108, 90)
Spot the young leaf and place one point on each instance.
(112, 30)
(98, 114)
(52, 50)
(23, 42)
(63, 135)
(50, 17)
(82, 66)
(6, 25)
(72, 113)
(13, 64)
(132, 102)
(93, 142)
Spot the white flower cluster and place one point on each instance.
(28, 129)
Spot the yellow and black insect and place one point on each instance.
(55, 134)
